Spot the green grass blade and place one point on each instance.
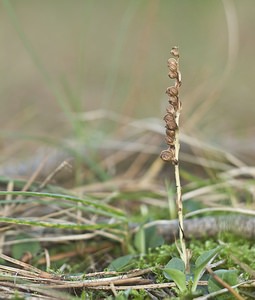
(101, 208)
(58, 224)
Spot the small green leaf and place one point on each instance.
(139, 240)
(177, 276)
(152, 238)
(119, 263)
(201, 263)
(123, 295)
(146, 238)
(18, 250)
(175, 270)
(176, 263)
(229, 276)
(205, 257)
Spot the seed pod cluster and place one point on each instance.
(173, 108)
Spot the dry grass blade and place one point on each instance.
(35, 282)
(33, 271)
(33, 278)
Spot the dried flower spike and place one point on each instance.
(171, 118)
(171, 154)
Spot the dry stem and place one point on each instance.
(172, 138)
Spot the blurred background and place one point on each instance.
(62, 57)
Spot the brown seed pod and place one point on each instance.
(173, 74)
(170, 137)
(175, 51)
(170, 140)
(173, 101)
(170, 133)
(172, 64)
(168, 155)
(172, 91)
(170, 121)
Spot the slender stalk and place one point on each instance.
(183, 253)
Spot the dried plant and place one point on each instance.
(172, 140)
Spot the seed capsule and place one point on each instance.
(175, 51)
(172, 64)
(170, 122)
(170, 137)
(173, 101)
(167, 155)
(170, 133)
(169, 140)
(173, 74)
(172, 91)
